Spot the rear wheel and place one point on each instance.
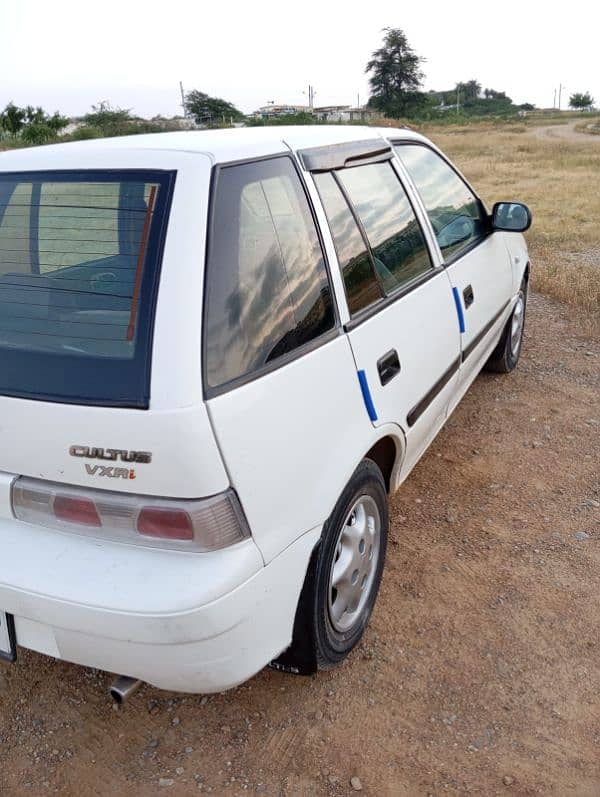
(343, 577)
(506, 354)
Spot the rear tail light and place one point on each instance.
(76, 510)
(205, 524)
(171, 524)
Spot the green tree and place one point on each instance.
(56, 122)
(34, 116)
(469, 91)
(12, 119)
(207, 110)
(581, 101)
(395, 76)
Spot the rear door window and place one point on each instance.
(399, 250)
(267, 291)
(79, 261)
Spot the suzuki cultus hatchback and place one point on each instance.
(219, 352)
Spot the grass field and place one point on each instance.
(559, 181)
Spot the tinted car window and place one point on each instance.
(360, 282)
(399, 249)
(456, 214)
(267, 291)
(79, 261)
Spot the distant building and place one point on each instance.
(344, 113)
(326, 113)
(272, 110)
(175, 122)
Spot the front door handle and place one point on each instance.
(468, 296)
(388, 366)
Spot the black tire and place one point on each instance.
(319, 642)
(506, 355)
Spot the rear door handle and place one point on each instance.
(468, 296)
(388, 366)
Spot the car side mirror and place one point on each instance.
(511, 217)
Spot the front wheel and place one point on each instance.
(506, 354)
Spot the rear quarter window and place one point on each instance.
(79, 261)
(267, 291)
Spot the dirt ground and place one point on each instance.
(479, 673)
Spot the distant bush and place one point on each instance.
(303, 118)
(38, 133)
(85, 133)
(108, 121)
(128, 128)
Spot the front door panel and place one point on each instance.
(483, 282)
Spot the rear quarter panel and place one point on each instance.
(291, 440)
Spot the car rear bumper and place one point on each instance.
(183, 622)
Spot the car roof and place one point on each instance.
(221, 146)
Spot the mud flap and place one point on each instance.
(301, 658)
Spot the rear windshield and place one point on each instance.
(79, 260)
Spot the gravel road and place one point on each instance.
(561, 132)
(479, 673)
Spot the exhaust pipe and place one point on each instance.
(123, 687)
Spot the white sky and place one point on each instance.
(67, 54)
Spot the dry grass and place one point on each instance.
(559, 181)
(593, 127)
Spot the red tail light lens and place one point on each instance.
(181, 524)
(76, 510)
(168, 524)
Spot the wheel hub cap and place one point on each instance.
(516, 329)
(354, 564)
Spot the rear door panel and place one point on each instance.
(422, 327)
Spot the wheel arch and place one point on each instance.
(388, 454)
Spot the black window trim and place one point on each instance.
(104, 174)
(472, 244)
(209, 392)
(386, 300)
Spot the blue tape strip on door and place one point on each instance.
(368, 399)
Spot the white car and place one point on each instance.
(219, 352)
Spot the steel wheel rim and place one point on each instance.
(516, 326)
(354, 565)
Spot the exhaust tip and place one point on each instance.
(123, 687)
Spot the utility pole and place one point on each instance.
(458, 100)
(182, 97)
(311, 96)
(358, 101)
(560, 88)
